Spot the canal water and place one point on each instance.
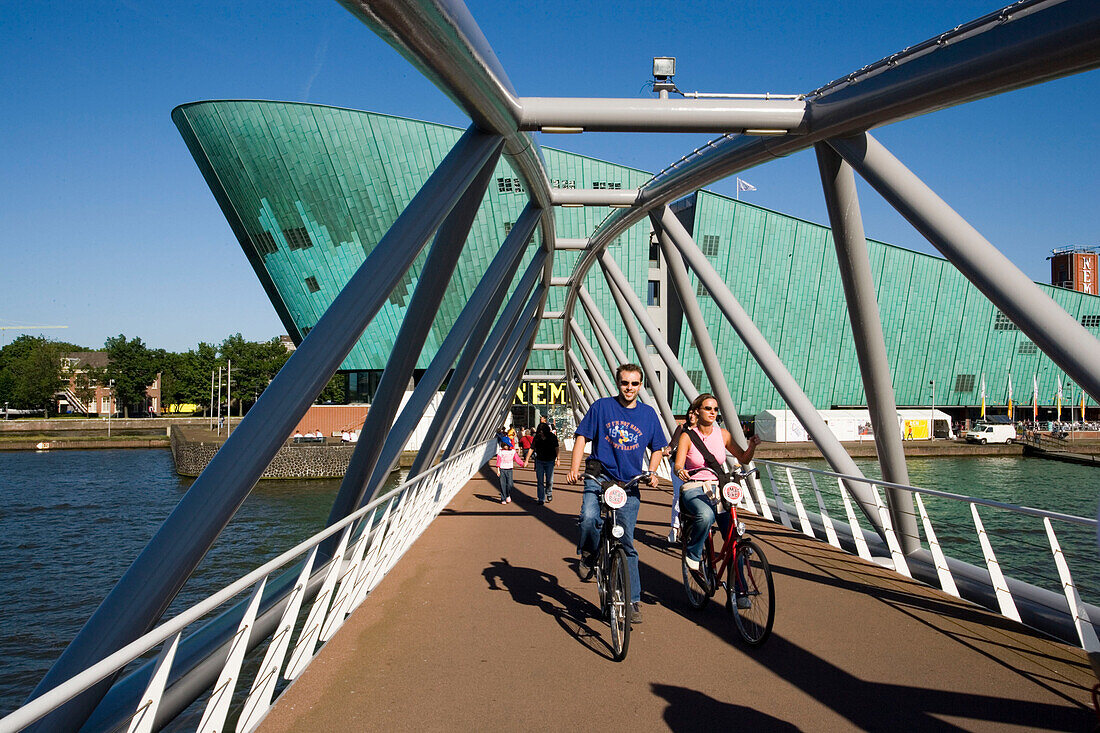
(72, 521)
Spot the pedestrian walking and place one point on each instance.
(545, 447)
(506, 457)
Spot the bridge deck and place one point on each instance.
(484, 625)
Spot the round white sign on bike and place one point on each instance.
(615, 497)
(731, 492)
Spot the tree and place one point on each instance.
(133, 368)
(185, 378)
(255, 364)
(30, 373)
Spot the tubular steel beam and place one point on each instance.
(503, 340)
(602, 380)
(409, 342)
(1058, 334)
(673, 365)
(708, 355)
(567, 114)
(612, 351)
(657, 390)
(842, 202)
(593, 197)
(486, 298)
(152, 581)
(572, 245)
(467, 374)
(775, 370)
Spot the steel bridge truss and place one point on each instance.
(488, 347)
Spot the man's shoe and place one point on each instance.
(584, 570)
(744, 602)
(692, 564)
(635, 612)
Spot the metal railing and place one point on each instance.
(958, 552)
(371, 541)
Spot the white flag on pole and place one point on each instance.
(744, 186)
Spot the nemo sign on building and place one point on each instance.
(541, 393)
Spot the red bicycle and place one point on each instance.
(740, 567)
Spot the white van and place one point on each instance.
(984, 433)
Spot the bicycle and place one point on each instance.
(748, 582)
(611, 569)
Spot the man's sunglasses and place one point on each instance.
(625, 383)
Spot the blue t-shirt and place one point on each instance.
(620, 436)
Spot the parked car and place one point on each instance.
(984, 433)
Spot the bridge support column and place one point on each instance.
(497, 399)
(152, 581)
(612, 351)
(675, 369)
(486, 297)
(773, 367)
(708, 355)
(1058, 334)
(409, 342)
(586, 383)
(501, 341)
(838, 182)
(593, 361)
(657, 388)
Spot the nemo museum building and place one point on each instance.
(309, 191)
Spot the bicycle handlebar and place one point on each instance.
(605, 480)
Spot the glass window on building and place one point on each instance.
(654, 295)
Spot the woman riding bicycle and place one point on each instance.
(698, 495)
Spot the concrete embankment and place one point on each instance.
(193, 448)
(90, 434)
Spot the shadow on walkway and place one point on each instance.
(532, 587)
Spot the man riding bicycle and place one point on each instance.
(619, 429)
(699, 493)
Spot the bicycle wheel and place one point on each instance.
(697, 593)
(752, 594)
(618, 603)
(601, 571)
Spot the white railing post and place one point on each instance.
(896, 555)
(947, 581)
(783, 516)
(263, 687)
(857, 532)
(1081, 620)
(803, 518)
(826, 520)
(996, 577)
(146, 713)
(218, 706)
(311, 630)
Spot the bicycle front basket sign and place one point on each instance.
(731, 492)
(615, 497)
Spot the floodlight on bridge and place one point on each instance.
(664, 68)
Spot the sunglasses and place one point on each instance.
(709, 409)
(625, 383)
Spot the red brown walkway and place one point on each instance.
(484, 625)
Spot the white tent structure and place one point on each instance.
(782, 426)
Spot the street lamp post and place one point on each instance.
(110, 404)
(932, 417)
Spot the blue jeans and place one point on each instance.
(591, 523)
(676, 484)
(544, 479)
(698, 513)
(506, 483)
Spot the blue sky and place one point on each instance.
(109, 228)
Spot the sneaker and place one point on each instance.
(635, 612)
(584, 570)
(508, 500)
(549, 497)
(744, 602)
(673, 536)
(692, 564)
(502, 501)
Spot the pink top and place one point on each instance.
(694, 458)
(505, 457)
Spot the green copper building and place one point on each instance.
(309, 190)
